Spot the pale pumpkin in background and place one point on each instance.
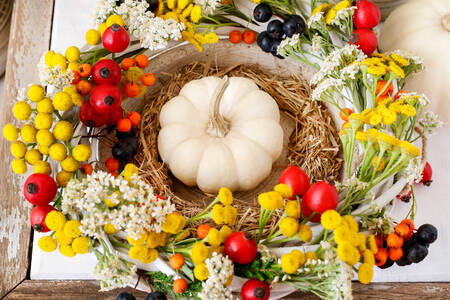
(220, 132)
(422, 27)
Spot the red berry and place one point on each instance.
(321, 197)
(37, 217)
(115, 38)
(367, 15)
(395, 253)
(87, 169)
(249, 36)
(40, 189)
(381, 256)
(365, 39)
(427, 173)
(112, 164)
(235, 36)
(106, 71)
(105, 98)
(240, 248)
(296, 179)
(254, 289)
(90, 118)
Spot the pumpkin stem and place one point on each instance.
(446, 22)
(218, 126)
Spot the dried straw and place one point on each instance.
(313, 144)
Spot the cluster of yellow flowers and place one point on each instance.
(143, 248)
(290, 262)
(226, 213)
(330, 10)
(380, 64)
(66, 233)
(38, 140)
(289, 224)
(352, 247)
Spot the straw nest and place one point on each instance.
(311, 138)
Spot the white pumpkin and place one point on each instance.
(422, 27)
(220, 132)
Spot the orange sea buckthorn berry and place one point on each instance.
(134, 117)
(112, 164)
(203, 230)
(402, 229)
(249, 36)
(344, 113)
(380, 86)
(381, 98)
(379, 240)
(84, 70)
(131, 89)
(84, 87)
(394, 240)
(76, 78)
(408, 223)
(381, 256)
(127, 63)
(141, 60)
(124, 125)
(180, 285)
(235, 36)
(176, 261)
(148, 79)
(395, 253)
(87, 169)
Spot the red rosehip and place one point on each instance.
(37, 217)
(365, 39)
(90, 118)
(40, 189)
(105, 98)
(115, 38)
(241, 248)
(367, 15)
(106, 71)
(254, 289)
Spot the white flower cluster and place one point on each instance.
(113, 272)
(54, 76)
(104, 9)
(318, 43)
(430, 122)
(316, 21)
(377, 223)
(413, 173)
(416, 60)
(347, 57)
(137, 210)
(266, 253)
(208, 6)
(220, 270)
(343, 17)
(327, 88)
(288, 43)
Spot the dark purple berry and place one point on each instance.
(416, 253)
(156, 296)
(389, 262)
(264, 41)
(427, 234)
(403, 261)
(262, 12)
(275, 29)
(125, 296)
(293, 24)
(123, 152)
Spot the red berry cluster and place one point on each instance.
(366, 16)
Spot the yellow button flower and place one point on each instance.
(372, 244)
(72, 53)
(362, 241)
(321, 8)
(346, 251)
(22, 110)
(81, 245)
(284, 190)
(10, 132)
(196, 13)
(342, 233)
(43, 149)
(18, 149)
(36, 93)
(63, 178)
(201, 272)
(69, 164)
(42, 167)
(304, 232)
(218, 214)
(292, 209)
(199, 253)
(55, 220)
(58, 151)
(310, 256)
(47, 244)
(44, 137)
(225, 232)
(19, 166)
(225, 196)
(60, 60)
(140, 241)
(214, 238)
(32, 156)
(300, 256)
(271, 200)
(114, 19)
(77, 99)
(174, 223)
(62, 238)
(43, 121)
(110, 229)
(351, 222)
(62, 101)
(81, 152)
(137, 252)
(395, 69)
(368, 257)
(156, 239)
(410, 148)
(67, 250)
(230, 215)
(101, 28)
(28, 133)
(408, 110)
(129, 170)
(341, 5)
(92, 37)
(48, 58)
(365, 273)
(289, 263)
(380, 164)
(289, 226)
(329, 17)
(150, 256)
(72, 228)
(330, 219)
(400, 59)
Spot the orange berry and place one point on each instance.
(379, 241)
(124, 125)
(344, 113)
(180, 285)
(87, 169)
(249, 36)
(84, 70)
(345, 125)
(141, 60)
(131, 89)
(381, 256)
(112, 164)
(76, 78)
(127, 63)
(395, 253)
(84, 87)
(408, 223)
(394, 240)
(148, 79)
(235, 36)
(399, 94)
(402, 229)
(176, 261)
(380, 86)
(134, 117)
(381, 98)
(203, 230)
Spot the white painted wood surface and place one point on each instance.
(72, 19)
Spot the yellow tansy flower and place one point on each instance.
(214, 238)
(365, 273)
(199, 253)
(380, 164)
(301, 257)
(218, 214)
(329, 17)
(368, 257)
(330, 219)
(341, 5)
(140, 241)
(225, 232)
(310, 256)
(398, 71)
(288, 226)
(284, 190)
(225, 196)
(289, 263)
(304, 232)
(321, 8)
(67, 250)
(201, 272)
(408, 110)
(196, 13)
(81, 245)
(292, 209)
(55, 220)
(372, 244)
(400, 60)
(271, 200)
(410, 148)
(47, 244)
